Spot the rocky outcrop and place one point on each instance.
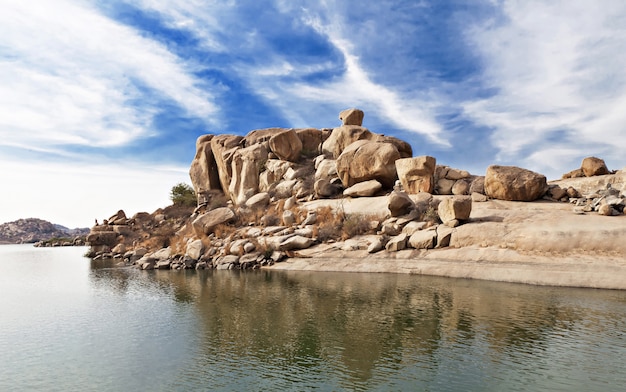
(352, 117)
(286, 145)
(33, 230)
(457, 208)
(342, 137)
(514, 183)
(205, 223)
(203, 171)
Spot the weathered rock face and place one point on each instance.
(99, 238)
(246, 165)
(365, 160)
(286, 145)
(592, 166)
(312, 140)
(205, 223)
(203, 171)
(224, 147)
(417, 174)
(351, 117)
(514, 183)
(342, 137)
(457, 207)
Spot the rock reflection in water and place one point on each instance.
(364, 331)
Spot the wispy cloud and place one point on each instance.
(69, 75)
(557, 71)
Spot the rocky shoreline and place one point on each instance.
(348, 199)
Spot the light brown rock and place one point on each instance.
(456, 207)
(203, 172)
(460, 187)
(363, 189)
(342, 137)
(351, 117)
(397, 243)
(312, 140)
(365, 160)
(205, 223)
(514, 183)
(423, 239)
(399, 203)
(223, 147)
(286, 145)
(417, 174)
(246, 165)
(444, 186)
(592, 166)
(260, 200)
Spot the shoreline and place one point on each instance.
(596, 272)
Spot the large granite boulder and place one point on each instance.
(342, 137)
(365, 160)
(274, 172)
(224, 147)
(514, 183)
(417, 174)
(246, 166)
(592, 166)
(404, 148)
(286, 145)
(194, 249)
(351, 117)
(203, 172)
(206, 223)
(457, 207)
(258, 136)
(400, 203)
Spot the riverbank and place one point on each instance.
(540, 243)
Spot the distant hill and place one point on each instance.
(33, 230)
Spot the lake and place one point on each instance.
(71, 324)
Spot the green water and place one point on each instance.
(70, 324)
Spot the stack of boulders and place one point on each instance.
(253, 192)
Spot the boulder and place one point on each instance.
(260, 200)
(404, 148)
(351, 117)
(444, 186)
(286, 145)
(363, 189)
(478, 197)
(576, 173)
(400, 203)
(195, 249)
(275, 170)
(119, 249)
(203, 172)
(376, 245)
(478, 185)
(444, 235)
(296, 242)
(260, 136)
(556, 192)
(514, 183)
(456, 174)
(223, 147)
(423, 239)
(365, 160)
(324, 188)
(246, 166)
(460, 187)
(396, 243)
(417, 174)
(592, 166)
(284, 189)
(457, 207)
(312, 140)
(205, 223)
(162, 254)
(342, 137)
(411, 227)
(289, 218)
(607, 210)
(326, 169)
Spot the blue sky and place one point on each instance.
(101, 101)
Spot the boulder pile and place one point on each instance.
(255, 197)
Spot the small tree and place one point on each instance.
(183, 194)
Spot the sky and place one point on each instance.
(101, 101)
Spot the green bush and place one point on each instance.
(183, 194)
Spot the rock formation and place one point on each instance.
(514, 183)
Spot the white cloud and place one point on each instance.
(74, 195)
(69, 75)
(557, 69)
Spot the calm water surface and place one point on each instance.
(70, 324)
